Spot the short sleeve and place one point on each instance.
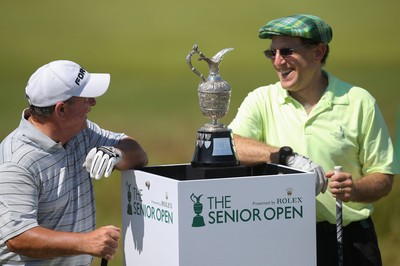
(18, 201)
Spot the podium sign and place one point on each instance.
(249, 220)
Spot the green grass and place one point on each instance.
(153, 93)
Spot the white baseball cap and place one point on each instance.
(60, 80)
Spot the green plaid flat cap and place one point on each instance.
(305, 26)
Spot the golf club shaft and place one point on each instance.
(104, 262)
(339, 224)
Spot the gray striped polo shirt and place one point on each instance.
(43, 183)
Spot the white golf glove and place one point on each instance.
(303, 163)
(101, 161)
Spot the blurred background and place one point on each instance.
(153, 94)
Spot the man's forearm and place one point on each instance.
(133, 155)
(251, 152)
(42, 243)
(372, 187)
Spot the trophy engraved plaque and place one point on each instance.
(214, 144)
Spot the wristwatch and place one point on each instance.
(284, 152)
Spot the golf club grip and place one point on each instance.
(104, 262)
(339, 224)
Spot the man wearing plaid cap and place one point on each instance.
(312, 113)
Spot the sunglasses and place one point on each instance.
(284, 52)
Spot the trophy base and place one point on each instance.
(198, 221)
(214, 147)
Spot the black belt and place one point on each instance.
(326, 227)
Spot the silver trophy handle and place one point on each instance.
(213, 63)
(189, 61)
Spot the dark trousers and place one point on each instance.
(360, 244)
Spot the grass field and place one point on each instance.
(153, 93)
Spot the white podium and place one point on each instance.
(266, 217)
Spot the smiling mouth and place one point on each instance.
(285, 73)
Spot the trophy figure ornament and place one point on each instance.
(198, 220)
(129, 195)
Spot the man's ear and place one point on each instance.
(320, 51)
(60, 110)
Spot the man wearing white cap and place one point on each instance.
(47, 209)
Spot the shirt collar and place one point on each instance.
(336, 93)
(35, 134)
(333, 94)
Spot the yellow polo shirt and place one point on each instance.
(345, 128)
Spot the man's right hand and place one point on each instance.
(303, 163)
(103, 242)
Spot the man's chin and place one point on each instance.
(287, 85)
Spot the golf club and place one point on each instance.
(339, 224)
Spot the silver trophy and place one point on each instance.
(214, 144)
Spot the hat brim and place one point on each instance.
(96, 86)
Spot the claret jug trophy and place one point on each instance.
(214, 143)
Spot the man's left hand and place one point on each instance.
(303, 163)
(101, 161)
